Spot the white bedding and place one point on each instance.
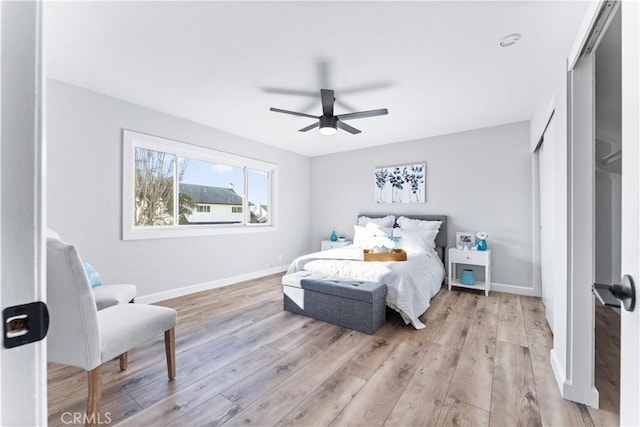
(410, 284)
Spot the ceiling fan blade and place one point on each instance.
(315, 125)
(363, 114)
(295, 113)
(284, 91)
(323, 73)
(328, 97)
(366, 87)
(348, 128)
(344, 105)
(311, 105)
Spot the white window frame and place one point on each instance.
(132, 140)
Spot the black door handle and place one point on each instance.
(24, 324)
(625, 292)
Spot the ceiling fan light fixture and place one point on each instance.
(328, 130)
(328, 125)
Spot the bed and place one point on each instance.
(410, 284)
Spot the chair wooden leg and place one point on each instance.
(123, 361)
(170, 348)
(95, 392)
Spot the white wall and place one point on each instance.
(481, 179)
(84, 189)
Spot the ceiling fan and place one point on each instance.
(327, 122)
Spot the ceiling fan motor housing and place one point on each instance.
(328, 121)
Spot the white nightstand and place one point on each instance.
(470, 257)
(328, 244)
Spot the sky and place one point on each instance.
(219, 175)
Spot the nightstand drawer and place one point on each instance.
(468, 257)
(329, 244)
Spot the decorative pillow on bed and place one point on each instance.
(416, 241)
(387, 221)
(418, 224)
(370, 236)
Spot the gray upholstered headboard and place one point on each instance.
(441, 238)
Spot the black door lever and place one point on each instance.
(625, 292)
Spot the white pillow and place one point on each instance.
(416, 241)
(370, 236)
(418, 224)
(387, 221)
(361, 236)
(377, 230)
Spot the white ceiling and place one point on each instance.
(437, 66)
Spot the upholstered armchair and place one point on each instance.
(106, 295)
(81, 335)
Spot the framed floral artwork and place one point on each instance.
(401, 184)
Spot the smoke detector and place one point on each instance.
(510, 40)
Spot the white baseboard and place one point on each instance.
(191, 289)
(508, 289)
(514, 289)
(558, 372)
(589, 396)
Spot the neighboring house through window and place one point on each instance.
(215, 202)
(221, 193)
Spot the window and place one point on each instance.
(217, 184)
(214, 192)
(153, 188)
(258, 193)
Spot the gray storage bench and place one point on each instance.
(351, 304)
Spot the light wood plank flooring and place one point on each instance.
(242, 360)
(607, 369)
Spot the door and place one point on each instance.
(23, 370)
(581, 269)
(630, 253)
(546, 220)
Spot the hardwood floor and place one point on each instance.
(242, 360)
(607, 369)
